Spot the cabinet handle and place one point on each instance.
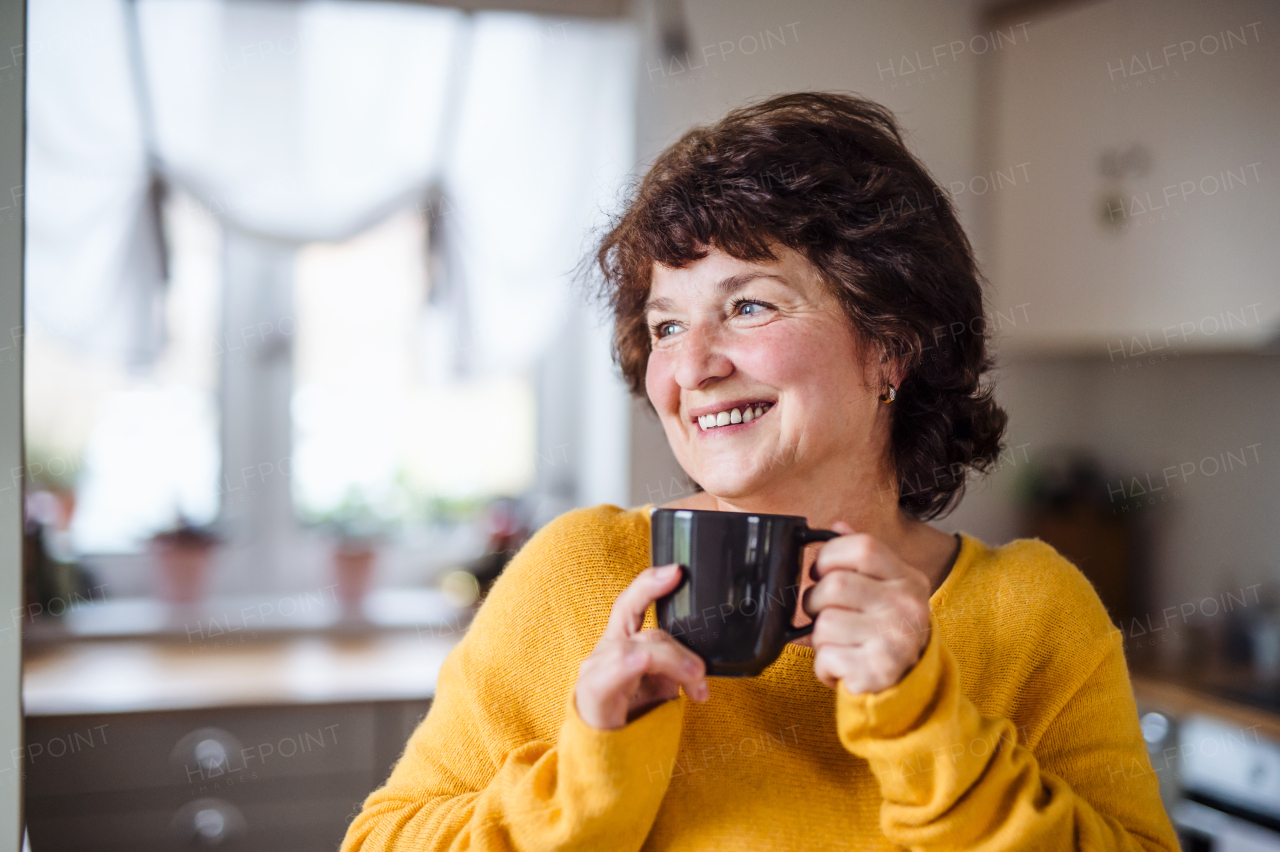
(208, 822)
(205, 753)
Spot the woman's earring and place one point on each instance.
(891, 396)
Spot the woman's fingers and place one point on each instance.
(885, 606)
(831, 663)
(631, 669)
(847, 589)
(838, 626)
(624, 675)
(627, 614)
(668, 658)
(861, 553)
(861, 669)
(899, 636)
(859, 572)
(871, 613)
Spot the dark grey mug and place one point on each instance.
(741, 576)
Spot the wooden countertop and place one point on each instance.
(1182, 697)
(112, 676)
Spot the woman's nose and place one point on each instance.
(701, 358)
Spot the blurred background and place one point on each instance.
(308, 356)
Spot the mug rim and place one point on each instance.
(718, 512)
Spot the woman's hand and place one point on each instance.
(632, 670)
(870, 611)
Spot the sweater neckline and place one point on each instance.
(969, 547)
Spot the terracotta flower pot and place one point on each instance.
(353, 564)
(182, 566)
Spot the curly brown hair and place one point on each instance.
(829, 176)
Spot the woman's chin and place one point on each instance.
(730, 484)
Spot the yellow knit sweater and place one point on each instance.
(1016, 729)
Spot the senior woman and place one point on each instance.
(795, 296)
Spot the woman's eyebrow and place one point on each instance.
(723, 287)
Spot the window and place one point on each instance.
(378, 422)
(308, 381)
(140, 447)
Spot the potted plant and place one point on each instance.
(505, 531)
(53, 579)
(356, 531)
(182, 556)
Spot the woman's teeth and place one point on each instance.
(745, 414)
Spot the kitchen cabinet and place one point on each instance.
(1131, 187)
(173, 742)
(274, 777)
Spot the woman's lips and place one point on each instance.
(734, 418)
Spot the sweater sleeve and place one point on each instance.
(502, 761)
(586, 791)
(953, 778)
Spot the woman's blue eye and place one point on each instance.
(663, 329)
(748, 308)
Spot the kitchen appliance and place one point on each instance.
(1221, 782)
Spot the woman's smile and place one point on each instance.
(730, 418)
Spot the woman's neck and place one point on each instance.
(863, 499)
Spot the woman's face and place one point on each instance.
(770, 341)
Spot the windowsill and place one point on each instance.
(222, 621)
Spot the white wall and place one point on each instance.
(829, 45)
(1216, 528)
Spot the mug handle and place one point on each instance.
(804, 536)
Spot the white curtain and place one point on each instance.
(299, 121)
(544, 139)
(311, 121)
(92, 257)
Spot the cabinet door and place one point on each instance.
(1134, 183)
(275, 779)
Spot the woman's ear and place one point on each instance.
(892, 368)
(897, 372)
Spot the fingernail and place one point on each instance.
(634, 660)
(704, 691)
(667, 570)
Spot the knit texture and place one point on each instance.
(1017, 728)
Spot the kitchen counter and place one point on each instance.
(137, 655)
(1229, 692)
(115, 676)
